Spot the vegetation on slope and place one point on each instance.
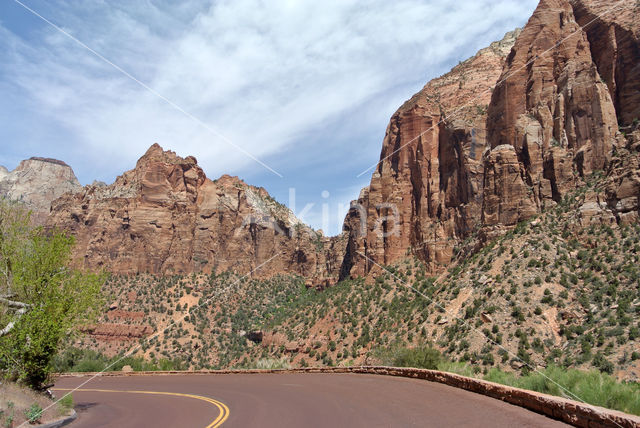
(545, 293)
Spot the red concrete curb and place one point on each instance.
(572, 412)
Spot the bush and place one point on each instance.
(602, 364)
(33, 413)
(422, 357)
(456, 367)
(88, 360)
(65, 404)
(272, 364)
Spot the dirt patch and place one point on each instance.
(16, 403)
(119, 314)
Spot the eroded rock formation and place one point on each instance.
(561, 90)
(165, 216)
(572, 76)
(613, 31)
(425, 193)
(503, 136)
(36, 182)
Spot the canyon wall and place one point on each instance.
(425, 193)
(551, 120)
(503, 136)
(462, 156)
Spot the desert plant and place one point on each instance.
(33, 413)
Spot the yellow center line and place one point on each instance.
(222, 417)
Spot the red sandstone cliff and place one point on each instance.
(459, 156)
(553, 119)
(165, 216)
(560, 90)
(430, 173)
(613, 31)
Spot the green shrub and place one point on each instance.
(272, 364)
(33, 413)
(55, 299)
(424, 357)
(456, 367)
(602, 364)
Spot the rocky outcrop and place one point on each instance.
(553, 108)
(36, 182)
(501, 137)
(425, 193)
(165, 216)
(623, 182)
(109, 332)
(502, 180)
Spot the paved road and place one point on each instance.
(287, 400)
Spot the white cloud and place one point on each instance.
(264, 74)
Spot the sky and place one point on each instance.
(285, 94)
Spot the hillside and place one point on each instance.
(560, 289)
(514, 191)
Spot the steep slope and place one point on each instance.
(533, 180)
(166, 217)
(36, 182)
(425, 193)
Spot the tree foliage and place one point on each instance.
(42, 299)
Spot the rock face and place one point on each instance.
(502, 181)
(425, 193)
(448, 168)
(554, 107)
(623, 182)
(36, 182)
(165, 216)
(613, 30)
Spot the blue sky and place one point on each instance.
(306, 87)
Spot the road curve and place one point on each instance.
(287, 400)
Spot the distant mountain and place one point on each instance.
(165, 216)
(36, 182)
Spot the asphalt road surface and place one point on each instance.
(286, 400)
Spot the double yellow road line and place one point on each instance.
(222, 417)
